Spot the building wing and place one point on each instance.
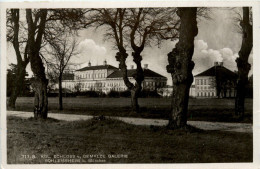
(131, 72)
(218, 70)
(97, 67)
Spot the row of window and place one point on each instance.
(203, 81)
(157, 84)
(206, 94)
(91, 76)
(113, 84)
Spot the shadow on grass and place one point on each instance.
(142, 144)
(48, 120)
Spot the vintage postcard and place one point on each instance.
(160, 84)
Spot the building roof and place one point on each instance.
(68, 76)
(131, 72)
(97, 67)
(218, 70)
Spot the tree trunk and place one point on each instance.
(40, 97)
(60, 93)
(134, 101)
(19, 81)
(39, 82)
(242, 63)
(121, 58)
(139, 78)
(181, 65)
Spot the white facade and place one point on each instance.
(205, 86)
(97, 78)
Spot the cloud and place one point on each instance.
(201, 45)
(90, 51)
(204, 57)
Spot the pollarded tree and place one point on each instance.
(181, 66)
(137, 27)
(242, 61)
(146, 26)
(114, 20)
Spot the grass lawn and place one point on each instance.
(27, 138)
(220, 110)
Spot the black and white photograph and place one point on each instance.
(128, 84)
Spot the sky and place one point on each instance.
(217, 40)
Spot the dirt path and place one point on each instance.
(235, 127)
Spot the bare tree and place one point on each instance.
(43, 23)
(61, 52)
(15, 36)
(148, 25)
(113, 20)
(181, 65)
(242, 61)
(137, 27)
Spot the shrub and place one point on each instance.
(113, 93)
(148, 93)
(89, 94)
(125, 93)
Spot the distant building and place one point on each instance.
(104, 78)
(216, 81)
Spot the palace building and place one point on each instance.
(216, 81)
(105, 78)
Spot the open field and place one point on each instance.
(220, 110)
(27, 138)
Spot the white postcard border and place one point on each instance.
(113, 4)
